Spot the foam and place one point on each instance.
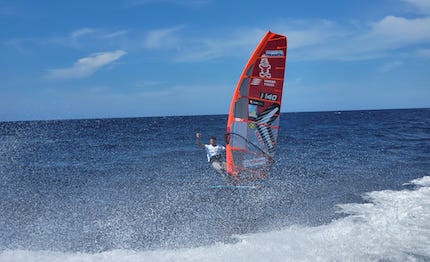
(392, 225)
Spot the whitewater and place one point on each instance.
(391, 226)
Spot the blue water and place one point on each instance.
(143, 185)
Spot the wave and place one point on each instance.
(389, 226)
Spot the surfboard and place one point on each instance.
(253, 120)
(233, 187)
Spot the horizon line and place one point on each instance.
(189, 115)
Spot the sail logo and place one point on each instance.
(274, 53)
(252, 110)
(269, 83)
(268, 96)
(264, 131)
(265, 67)
(256, 102)
(256, 81)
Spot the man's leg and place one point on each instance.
(221, 169)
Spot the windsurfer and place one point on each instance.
(214, 154)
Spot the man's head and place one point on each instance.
(212, 141)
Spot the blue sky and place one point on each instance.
(132, 58)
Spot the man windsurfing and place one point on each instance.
(214, 154)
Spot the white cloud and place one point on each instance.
(313, 39)
(396, 32)
(86, 66)
(165, 38)
(95, 33)
(82, 39)
(81, 32)
(238, 42)
(303, 33)
(387, 67)
(308, 39)
(115, 34)
(319, 39)
(191, 48)
(354, 41)
(421, 6)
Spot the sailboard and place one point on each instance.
(233, 187)
(253, 120)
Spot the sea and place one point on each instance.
(345, 186)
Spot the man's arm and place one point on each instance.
(199, 141)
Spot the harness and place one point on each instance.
(215, 158)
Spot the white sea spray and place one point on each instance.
(390, 226)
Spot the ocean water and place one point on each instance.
(346, 186)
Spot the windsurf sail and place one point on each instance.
(253, 120)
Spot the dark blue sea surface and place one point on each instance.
(143, 183)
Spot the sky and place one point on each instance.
(137, 58)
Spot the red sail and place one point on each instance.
(253, 121)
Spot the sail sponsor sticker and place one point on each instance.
(273, 53)
(252, 109)
(269, 83)
(265, 67)
(266, 82)
(256, 102)
(269, 96)
(256, 81)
